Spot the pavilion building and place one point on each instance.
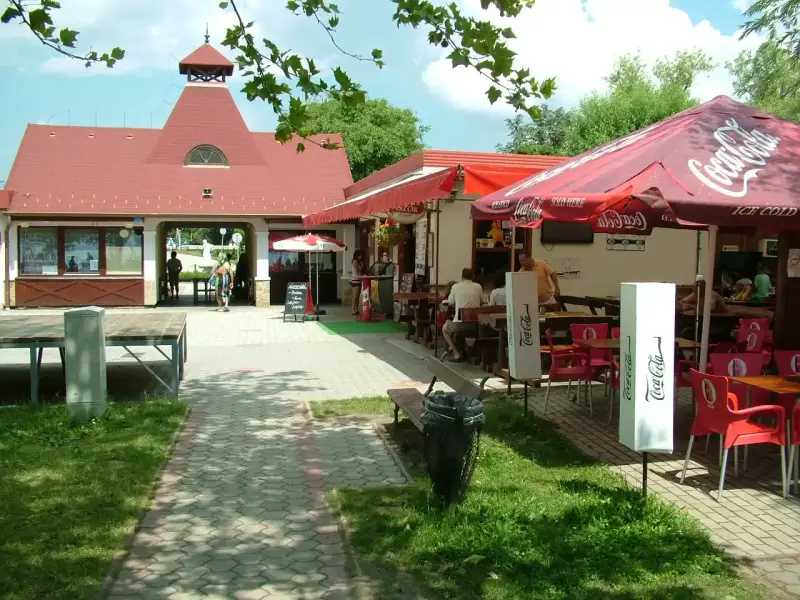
(86, 210)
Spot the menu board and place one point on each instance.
(297, 300)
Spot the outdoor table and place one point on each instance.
(412, 296)
(206, 289)
(614, 343)
(777, 385)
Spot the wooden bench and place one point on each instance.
(410, 400)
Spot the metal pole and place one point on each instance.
(711, 252)
(697, 290)
(513, 247)
(644, 474)
(436, 276)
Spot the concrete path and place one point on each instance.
(241, 512)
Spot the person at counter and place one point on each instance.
(762, 284)
(465, 294)
(498, 294)
(547, 280)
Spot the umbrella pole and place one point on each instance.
(319, 311)
(711, 252)
(436, 276)
(513, 247)
(697, 291)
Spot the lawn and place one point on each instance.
(542, 522)
(68, 493)
(352, 406)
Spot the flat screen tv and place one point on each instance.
(558, 232)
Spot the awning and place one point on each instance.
(483, 180)
(414, 191)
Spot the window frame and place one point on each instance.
(61, 253)
(204, 165)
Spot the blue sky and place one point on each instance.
(574, 40)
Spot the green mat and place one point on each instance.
(355, 327)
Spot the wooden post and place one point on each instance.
(786, 322)
(436, 289)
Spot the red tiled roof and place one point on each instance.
(140, 172)
(205, 56)
(205, 114)
(451, 158)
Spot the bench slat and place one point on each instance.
(410, 402)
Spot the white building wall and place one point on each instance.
(3, 246)
(670, 255)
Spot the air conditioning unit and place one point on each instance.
(769, 248)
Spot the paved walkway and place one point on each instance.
(241, 512)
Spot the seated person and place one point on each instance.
(465, 294)
(498, 295)
(689, 303)
(443, 310)
(762, 285)
(742, 290)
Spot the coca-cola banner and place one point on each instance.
(647, 342)
(522, 302)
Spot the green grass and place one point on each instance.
(354, 327)
(192, 275)
(352, 406)
(68, 493)
(541, 522)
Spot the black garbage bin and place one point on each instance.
(451, 441)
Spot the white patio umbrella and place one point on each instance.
(311, 243)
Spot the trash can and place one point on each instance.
(451, 436)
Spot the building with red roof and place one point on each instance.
(86, 210)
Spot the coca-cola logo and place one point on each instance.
(709, 393)
(737, 161)
(578, 162)
(795, 363)
(525, 327)
(627, 388)
(655, 374)
(737, 368)
(611, 219)
(752, 340)
(529, 210)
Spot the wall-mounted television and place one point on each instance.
(558, 232)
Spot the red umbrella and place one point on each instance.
(721, 163)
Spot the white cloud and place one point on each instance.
(154, 33)
(742, 5)
(578, 41)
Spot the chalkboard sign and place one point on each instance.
(297, 295)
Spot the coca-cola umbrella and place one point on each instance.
(311, 243)
(721, 163)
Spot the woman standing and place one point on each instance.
(357, 268)
(224, 283)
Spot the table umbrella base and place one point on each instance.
(320, 311)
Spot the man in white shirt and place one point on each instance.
(464, 294)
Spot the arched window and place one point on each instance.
(206, 156)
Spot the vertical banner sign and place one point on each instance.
(647, 355)
(522, 306)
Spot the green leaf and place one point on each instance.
(301, 147)
(333, 22)
(118, 54)
(38, 20)
(68, 37)
(508, 33)
(10, 14)
(377, 54)
(292, 5)
(493, 94)
(223, 5)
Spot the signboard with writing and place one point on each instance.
(647, 352)
(406, 283)
(421, 245)
(524, 352)
(298, 300)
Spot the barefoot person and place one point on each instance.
(465, 294)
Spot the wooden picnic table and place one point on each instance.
(133, 328)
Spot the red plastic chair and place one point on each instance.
(615, 333)
(743, 364)
(794, 457)
(567, 365)
(761, 324)
(718, 412)
(787, 362)
(600, 359)
(751, 340)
